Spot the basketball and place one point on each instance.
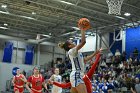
(84, 24)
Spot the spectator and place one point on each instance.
(46, 75)
(135, 52)
(117, 60)
(104, 88)
(58, 64)
(95, 90)
(109, 59)
(52, 64)
(123, 56)
(24, 73)
(110, 85)
(137, 86)
(69, 66)
(117, 53)
(128, 80)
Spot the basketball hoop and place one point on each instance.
(114, 6)
(119, 36)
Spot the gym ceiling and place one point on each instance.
(58, 18)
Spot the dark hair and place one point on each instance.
(36, 67)
(64, 46)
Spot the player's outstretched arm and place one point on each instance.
(62, 85)
(93, 67)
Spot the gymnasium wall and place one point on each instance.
(90, 44)
(116, 45)
(123, 40)
(6, 72)
(46, 56)
(105, 38)
(46, 53)
(132, 40)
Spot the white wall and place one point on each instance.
(18, 56)
(46, 53)
(6, 72)
(98, 42)
(123, 40)
(1, 51)
(90, 44)
(105, 37)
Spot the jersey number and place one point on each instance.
(76, 63)
(38, 83)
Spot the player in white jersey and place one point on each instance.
(57, 78)
(77, 61)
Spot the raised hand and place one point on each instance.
(50, 82)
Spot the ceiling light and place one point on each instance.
(47, 36)
(28, 17)
(120, 17)
(3, 27)
(92, 34)
(4, 6)
(127, 14)
(75, 28)
(50, 34)
(67, 2)
(4, 12)
(71, 38)
(33, 13)
(38, 37)
(5, 24)
(69, 33)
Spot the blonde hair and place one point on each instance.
(64, 45)
(61, 45)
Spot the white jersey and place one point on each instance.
(55, 89)
(77, 60)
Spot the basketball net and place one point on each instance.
(114, 6)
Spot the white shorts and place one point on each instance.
(56, 90)
(76, 78)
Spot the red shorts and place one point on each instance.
(35, 91)
(19, 89)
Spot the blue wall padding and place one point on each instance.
(132, 40)
(29, 54)
(117, 44)
(7, 53)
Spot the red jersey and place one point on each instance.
(36, 82)
(18, 82)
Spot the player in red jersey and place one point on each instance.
(18, 81)
(86, 78)
(36, 81)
